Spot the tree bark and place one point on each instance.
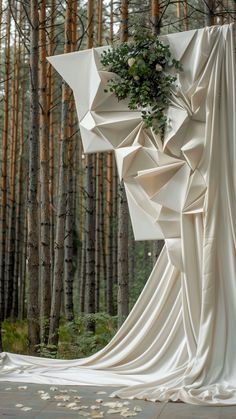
(155, 16)
(90, 204)
(209, 12)
(45, 260)
(123, 214)
(70, 214)
(33, 213)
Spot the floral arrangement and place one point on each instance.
(144, 74)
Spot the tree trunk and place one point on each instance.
(109, 229)
(17, 309)
(90, 204)
(10, 247)
(62, 197)
(123, 214)
(51, 122)
(45, 260)
(209, 12)
(155, 16)
(33, 213)
(69, 228)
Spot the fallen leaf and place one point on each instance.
(26, 409)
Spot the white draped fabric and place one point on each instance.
(178, 343)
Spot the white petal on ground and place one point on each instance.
(115, 411)
(26, 409)
(63, 398)
(22, 387)
(19, 405)
(101, 392)
(69, 405)
(76, 408)
(83, 413)
(94, 407)
(61, 404)
(113, 405)
(128, 414)
(53, 388)
(8, 389)
(138, 409)
(97, 415)
(45, 396)
(99, 400)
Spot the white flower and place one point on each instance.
(159, 67)
(131, 61)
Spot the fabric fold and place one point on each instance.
(178, 343)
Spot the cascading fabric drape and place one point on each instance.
(178, 343)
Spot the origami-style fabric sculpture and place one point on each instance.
(178, 343)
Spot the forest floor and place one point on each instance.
(39, 401)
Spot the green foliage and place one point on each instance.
(14, 336)
(144, 74)
(76, 342)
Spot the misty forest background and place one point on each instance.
(70, 270)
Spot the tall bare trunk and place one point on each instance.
(99, 187)
(109, 247)
(209, 12)
(109, 210)
(70, 214)
(62, 197)
(90, 203)
(10, 245)
(4, 169)
(51, 116)
(123, 214)
(19, 278)
(45, 260)
(33, 213)
(155, 16)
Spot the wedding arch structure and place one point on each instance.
(178, 343)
